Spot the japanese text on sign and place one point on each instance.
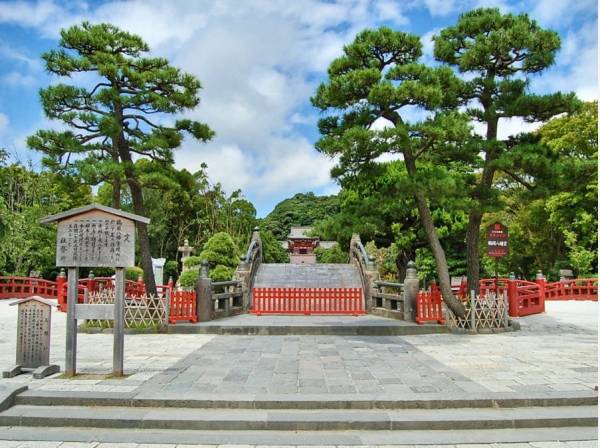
(497, 240)
(95, 241)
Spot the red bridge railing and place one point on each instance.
(182, 307)
(577, 289)
(20, 287)
(429, 306)
(307, 301)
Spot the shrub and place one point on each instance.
(220, 250)
(188, 279)
(170, 270)
(221, 273)
(192, 262)
(134, 273)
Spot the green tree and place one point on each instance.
(379, 77)
(26, 196)
(119, 117)
(303, 209)
(273, 251)
(499, 52)
(333, 255)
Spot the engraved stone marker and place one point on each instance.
(33, 338)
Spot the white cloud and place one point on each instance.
(576, 66)
(20, 79)
(561, 12)
(507, 127)
(27, 13)
(440, 7)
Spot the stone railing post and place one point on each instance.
(541, 282)
(61, 290)
(411, 289)
(91, 282)
(141, 287)
(513, 303)
(204, 303)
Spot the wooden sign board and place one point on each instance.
(95, 236)
(95, 239)
(497, 240)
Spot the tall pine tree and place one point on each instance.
(119, 116)
(499, 52)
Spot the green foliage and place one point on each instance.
(133, 273)
(220, 249)
(192, 262)
(500, 53)
(170, 270)
(273, 251)
(303, 209)
(333, 255)
(188, 279)
(221, 273)
(26, 196)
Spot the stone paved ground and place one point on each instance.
(556, 351)
(38, 444)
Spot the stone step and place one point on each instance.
(298, 438)
(306, 402)
(299, 420)
(275, 275)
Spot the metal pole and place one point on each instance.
(71, 342)
(119, 323)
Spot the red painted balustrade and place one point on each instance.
(307, 301)
(429, 306)
(182, 307)
(577, 289)
(20, 287)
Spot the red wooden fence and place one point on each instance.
(429, 306)
(307, 301)
(20, 287)
(182, 306)
(578, 289)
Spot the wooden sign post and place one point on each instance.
(497, 243)
(95, 236)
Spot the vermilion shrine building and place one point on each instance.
(301, 245)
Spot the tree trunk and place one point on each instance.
(434, 243)
(473, 265)
(116, 193)
(476, 215)
(138, 207)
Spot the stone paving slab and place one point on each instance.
(503, 438)
(554, 352)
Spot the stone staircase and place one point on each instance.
(114, 417)
(279, 275)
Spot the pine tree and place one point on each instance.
(379, 77)
(117, 118)
(499, 52)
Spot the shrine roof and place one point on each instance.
(91, 207)
(301, 232)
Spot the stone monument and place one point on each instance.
(95, 236)
(186, 250)
(33, 338)
(157, 269)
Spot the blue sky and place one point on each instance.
(259, 63)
